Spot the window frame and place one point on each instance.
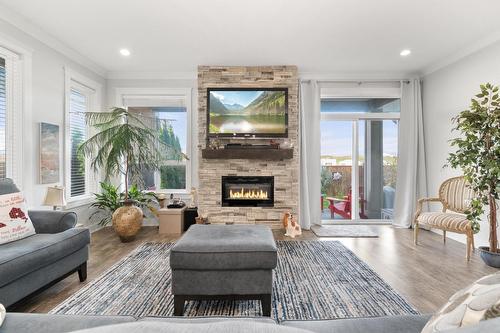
(347, 90)
(15, 109)
(122, 94)
(92, 91)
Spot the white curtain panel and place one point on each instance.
(411, 173)
(310, 154)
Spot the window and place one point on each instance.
(174, 133)
(82, 95)
(359, 155)
(171, 109)
(78, 105)
(172, 130)
(12, 104)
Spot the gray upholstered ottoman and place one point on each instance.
(233, 262)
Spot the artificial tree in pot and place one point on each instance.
(125, 143)
(478, 156)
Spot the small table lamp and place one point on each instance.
(55, 197)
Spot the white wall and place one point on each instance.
(446, 92)
(47, 106)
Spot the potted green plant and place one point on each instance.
(110, 199)
(478, 156)
(125, 143)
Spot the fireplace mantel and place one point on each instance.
(249, 154)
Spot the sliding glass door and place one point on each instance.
(359, 151)
(336, 168)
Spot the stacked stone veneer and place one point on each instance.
(285, 172)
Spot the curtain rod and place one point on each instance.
(357, 81)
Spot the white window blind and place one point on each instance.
(78, 105)
(3, 113)
(11, 113)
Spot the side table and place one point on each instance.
(171, 220)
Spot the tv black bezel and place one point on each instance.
(247, 135)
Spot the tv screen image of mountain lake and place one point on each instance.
(247, 112)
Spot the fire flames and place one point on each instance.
(245, 194)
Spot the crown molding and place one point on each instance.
(462, 53)
(358, 75)
(351, 76)
(36, 32)
(149, 75)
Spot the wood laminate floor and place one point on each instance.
(426, 275)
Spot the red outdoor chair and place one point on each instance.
(342, 206)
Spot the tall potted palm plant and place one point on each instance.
(125, 143)
(478, 155)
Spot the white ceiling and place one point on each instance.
(319, 36)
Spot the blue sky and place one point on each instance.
(242, 97)
(336, 138)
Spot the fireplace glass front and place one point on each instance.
(247, 191)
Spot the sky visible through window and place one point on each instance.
(336, 138)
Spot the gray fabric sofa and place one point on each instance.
(55, 251)
(43, 323)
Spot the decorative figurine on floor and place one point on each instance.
(292, 228)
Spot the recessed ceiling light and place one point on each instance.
(405, 53)
(125, 52)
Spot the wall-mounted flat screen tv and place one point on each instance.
(247, 112)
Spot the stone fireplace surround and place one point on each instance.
(285, 172)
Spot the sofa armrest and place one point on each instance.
(51, 221)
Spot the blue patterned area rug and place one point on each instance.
(313, 280)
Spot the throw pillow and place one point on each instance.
(2, 314)
(15, 223)
(479, 301)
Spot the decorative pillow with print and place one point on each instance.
(479, 301)
(15, 223)
(3, 312)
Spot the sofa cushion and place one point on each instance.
(479, 301)
(390, 324)
(29, 254)
(224, 326)
(223, 247)
(451, 222)
(46, 323)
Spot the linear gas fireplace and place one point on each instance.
(244, 191)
